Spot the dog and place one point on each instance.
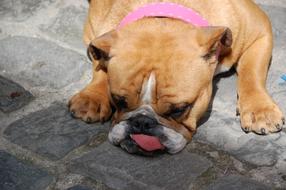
(154, 62)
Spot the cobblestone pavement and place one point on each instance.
(43, 63)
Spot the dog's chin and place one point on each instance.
(171, 141)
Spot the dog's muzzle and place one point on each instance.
(141, 132)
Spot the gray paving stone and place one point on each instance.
(225, 133)
(258, 152)
(67, 26)
(279, 97)
(278, 3)
(20, 10)
(236, 183)
(226, 95)
(79, 187)
(16, 175)
(12, 95)
(52, 132)
(119, 170)
(40, 63)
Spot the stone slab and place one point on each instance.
(225, 94)
(258, 152)
(119, 170)
(12, 95)
(16, 175)
(40, 63)
(278, 3)
(234, 182)
(52, 133)
(67, 26)
(223, 131)
(20, 10)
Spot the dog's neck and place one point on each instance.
(169, 10)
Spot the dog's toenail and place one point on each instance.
(72, 113)
(278, 126)
(283, 121)
(88, 120)
(237, 112)
(246, 129)
(263, 131)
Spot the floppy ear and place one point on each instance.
(217, 40)
(99, 49)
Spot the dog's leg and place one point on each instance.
(92, 103)
(258, 111)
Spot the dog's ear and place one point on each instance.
(99, 49)
(217, 40)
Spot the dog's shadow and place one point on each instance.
(216, 79)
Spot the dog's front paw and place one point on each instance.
(90, 106)
(262, 119)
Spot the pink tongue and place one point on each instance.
(148, 143)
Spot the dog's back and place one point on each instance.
(245, 19)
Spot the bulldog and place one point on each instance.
(154, 63)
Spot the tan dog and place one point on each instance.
(157, 72)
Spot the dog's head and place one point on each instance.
(160, 75)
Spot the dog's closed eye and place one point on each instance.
(177, 111)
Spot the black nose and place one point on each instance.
(142, 123)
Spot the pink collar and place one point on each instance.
(170, 10)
